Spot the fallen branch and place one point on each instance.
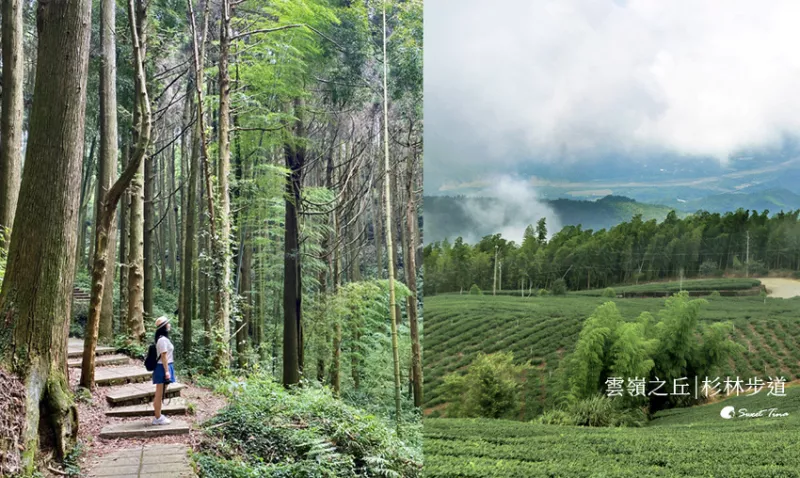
(58, 472)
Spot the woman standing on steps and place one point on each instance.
(164, 372)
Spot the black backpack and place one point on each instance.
(151, 360)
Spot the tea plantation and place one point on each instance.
(690, 442)
(545, 329)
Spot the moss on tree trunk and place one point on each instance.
(36, 295)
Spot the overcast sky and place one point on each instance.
(514, 81)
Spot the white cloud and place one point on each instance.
(566, 80)
(517, 206)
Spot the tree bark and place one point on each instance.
(411, 281)
(11, 120)
(222, 296)
(109, 207)
(148, 233)
(337, 325)
(292, 279)
(86, 186)
(124, 221)
(189, 248)
(389, 245)
(37, 291)
(203, 282)
(108, 154)
(246, 285)
(142, 118)
(198, 55)
(135, 324)
(164, 242)
(173, 239)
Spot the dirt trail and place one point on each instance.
(782, 288)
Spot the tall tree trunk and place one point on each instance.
(203, 284)
(389, 245)
(259, 309)
(138, 230)
(292, 278)
(173, 239)
(37, 291)
(135, 324)
(86, 186)
(148, 233)
(246, 285)
(109, 202)
(327, 247)
(163, 219)
(11, 120)
(198, 55)
(108, 155)
(124, 221)
(244, 173)
(337, 326)
(189, 247)
(222, 296)
(411, 282)
(150, 164)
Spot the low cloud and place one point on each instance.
(571, 81)
(517, 205)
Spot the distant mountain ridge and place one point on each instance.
(450, 216)
(774, 200)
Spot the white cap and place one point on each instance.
(162, 321)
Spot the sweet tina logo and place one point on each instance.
(730, 412)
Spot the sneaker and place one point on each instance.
(162, 420)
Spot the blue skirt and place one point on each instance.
(158, 373)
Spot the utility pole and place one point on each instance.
(747, 259)
(500, 282)
(494, 285)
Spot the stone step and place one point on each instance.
(151, 461)
(176, 406)
(139, 392)
(75, 348)
(77, 352)
(121, 375)
(144, 428)
(102, 360)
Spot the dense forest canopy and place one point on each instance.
(251, 169)
(701, 245)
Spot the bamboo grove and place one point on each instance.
(250, 168)
(745, 243)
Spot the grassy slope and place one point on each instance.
(544, 329)
(687, 442)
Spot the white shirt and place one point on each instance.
(164, 345)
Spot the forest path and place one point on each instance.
(128, 445)
(781, 288)
(152, 461)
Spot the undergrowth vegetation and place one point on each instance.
(267, 430)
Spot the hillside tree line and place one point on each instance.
(701, 245)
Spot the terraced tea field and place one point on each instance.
(544, 329)
(726, 284)
(689, 442)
